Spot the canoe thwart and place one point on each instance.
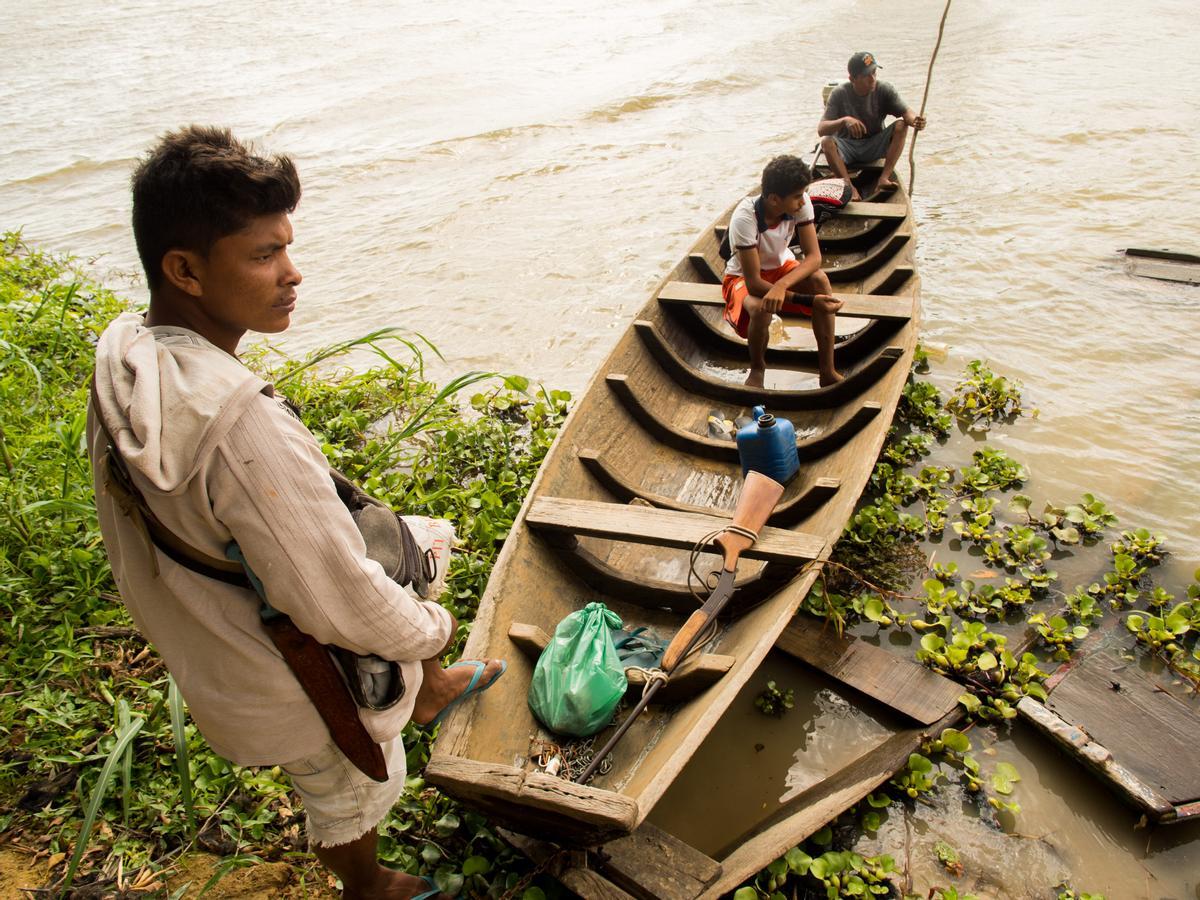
(663, 528)
(854, 306)
(487, 784)
(865, 209)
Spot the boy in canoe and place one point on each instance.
(196, 463)
(852, 129)
(763, 276)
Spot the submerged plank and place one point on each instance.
(1149, 730)
(903, 684)
(1078, 744)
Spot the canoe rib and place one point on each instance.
(873, 261)
(695, 382)
(639, 588)
(710, 448)
(786, 513)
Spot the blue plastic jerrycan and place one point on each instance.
(768, 445)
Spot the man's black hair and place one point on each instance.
(200, 184)
(784, 175)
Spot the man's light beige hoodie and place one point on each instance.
(219, 459)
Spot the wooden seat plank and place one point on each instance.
(901, 683)
(864, 209)
(662, 527)
(854, 306)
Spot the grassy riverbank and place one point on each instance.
(75, 675)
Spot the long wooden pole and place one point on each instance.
(912, 163)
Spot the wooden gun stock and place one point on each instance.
(759, 496)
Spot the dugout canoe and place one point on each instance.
(634, 479)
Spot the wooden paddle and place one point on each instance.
(759, 496)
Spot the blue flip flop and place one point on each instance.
(473, 688)
(430, 894)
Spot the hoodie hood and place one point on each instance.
(150, 377)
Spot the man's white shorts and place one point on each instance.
(342, 804)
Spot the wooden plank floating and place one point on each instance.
(663, 528)
(899, 682)
(1129, 725)
(854, 306)
(1099, 759)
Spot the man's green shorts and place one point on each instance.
(856, 151)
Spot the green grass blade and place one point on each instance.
(126, 760)
(124, 739)
(336, 350)
(175, 702)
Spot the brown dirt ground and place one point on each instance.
(266, 881)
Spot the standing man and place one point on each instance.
(192, 450)
(852, 129)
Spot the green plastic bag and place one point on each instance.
(579, 680)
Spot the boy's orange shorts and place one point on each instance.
(735, 292)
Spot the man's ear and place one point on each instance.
(183, 270)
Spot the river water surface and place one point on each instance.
(511, 181)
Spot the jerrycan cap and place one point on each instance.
(764, 418)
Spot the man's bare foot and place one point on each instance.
(885, 185)
(441, 687)
(854, 194)
(756, 378)
(392, 885)
(828, 378)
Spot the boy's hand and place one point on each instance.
(856, 128)
(773, 301)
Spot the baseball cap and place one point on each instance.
(861, 63)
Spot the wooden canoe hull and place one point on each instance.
(634, 461)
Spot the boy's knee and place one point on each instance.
(828, 144)
(901, 129)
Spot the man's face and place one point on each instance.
(248, 282)
(864, 83)
(793, 203)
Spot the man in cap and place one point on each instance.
(852, 129)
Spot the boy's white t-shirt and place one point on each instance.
(772, 243)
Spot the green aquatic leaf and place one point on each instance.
(1004, 777)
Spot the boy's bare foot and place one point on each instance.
(828, 378)
(441, 687)
(756, 378)
(854, 194)
(885, 185)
